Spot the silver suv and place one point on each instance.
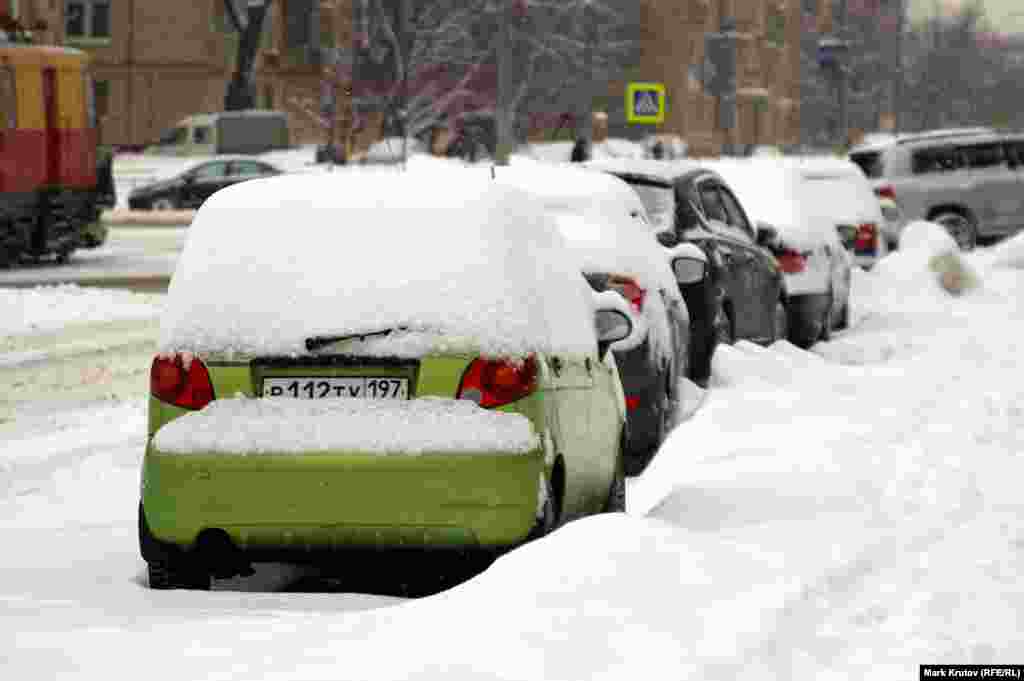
(968, 180)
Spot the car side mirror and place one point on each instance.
(689, 270)
(767, 235)
(611, 326)
(667, 238)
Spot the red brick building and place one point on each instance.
(158, 61)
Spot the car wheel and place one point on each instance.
(780, 322)
(177, 576)
(548, 517)
(826, 324)
(616, 502)
(723, 328)
(961, 228)
(164, 204)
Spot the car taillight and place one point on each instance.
(791, 262)
(182, 383)
(632, 402)
(493, 383)
(867, 239)
(885, 192)
(628, 289)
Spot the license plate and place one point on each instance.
(372, 388)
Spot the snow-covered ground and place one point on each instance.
(846, 513)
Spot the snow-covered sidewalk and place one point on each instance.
(848, 513)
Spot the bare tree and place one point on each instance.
(426, 63)
(247, 19)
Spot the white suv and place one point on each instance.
(970, 181)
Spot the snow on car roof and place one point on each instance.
(455, 256)
(601, 218)
(804, 198)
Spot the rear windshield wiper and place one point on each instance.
(317, 342)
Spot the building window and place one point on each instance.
(101, 96)
(775, 30)
(87, 18)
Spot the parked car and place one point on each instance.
(225, 132)
(192, 187)
(968, 180)
(603, 220)
(805, 201)
(740, 294)
(389, 395)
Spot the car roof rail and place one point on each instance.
(944, 134)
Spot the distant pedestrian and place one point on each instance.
(580, 151)
(658, 151)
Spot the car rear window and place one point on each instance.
(870, 162)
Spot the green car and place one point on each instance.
(418, 364)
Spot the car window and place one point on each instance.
(174, 136)
(659, 202)
(937, 160)
(737, 218)
(985, 155)
(711, 202)
(211, 171)
(202, 135)
(1015, 151)
(870, 162)
(249, 169)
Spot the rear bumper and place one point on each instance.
(274, 504)
(644, 379)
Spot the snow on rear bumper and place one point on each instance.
(466, 491)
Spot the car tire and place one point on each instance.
(723, 328)
(780, 322)
(548, 518)
(961, 228)
(616, 502)
(163, 576)
(163, 204)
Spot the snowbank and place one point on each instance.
(928, 262)
(283, 425)
(1009, 253)
(459, 258)
(44, 308)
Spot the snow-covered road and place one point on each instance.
(848, 513)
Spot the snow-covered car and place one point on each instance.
(606, 225)
(198, 182)
(741, 293)
(319, 394)
(800, 200)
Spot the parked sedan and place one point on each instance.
(604, 222)
(741, 294)
(361, 401)
(192, 187)
(802, 200)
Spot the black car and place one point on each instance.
(737, 291)
(192, 187)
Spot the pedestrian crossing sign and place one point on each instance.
(645, 103)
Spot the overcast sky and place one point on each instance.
(1001, 12)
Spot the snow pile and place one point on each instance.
(454, 256)
(282, 425)
(1009, 253)
(45, 308)
(927, 252)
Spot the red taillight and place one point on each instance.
(628, 289)
(886, 192)
(867, 238)
(493, 383)
(632, 402)
(791, 262)
(171, 382)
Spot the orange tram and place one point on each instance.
(49, 188)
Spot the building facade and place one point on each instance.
(156, 62)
